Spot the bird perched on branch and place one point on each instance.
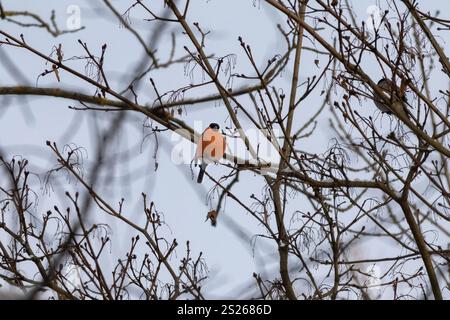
(396, 98)
(210, 148)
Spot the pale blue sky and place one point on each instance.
(231, 261)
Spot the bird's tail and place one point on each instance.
(201, 173)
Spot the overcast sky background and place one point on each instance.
(27, 123)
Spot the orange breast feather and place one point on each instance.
(211, 146)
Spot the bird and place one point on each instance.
(210, 148)
(396, 101)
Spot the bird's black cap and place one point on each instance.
(214, 126)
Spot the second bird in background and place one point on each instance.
(396, 101)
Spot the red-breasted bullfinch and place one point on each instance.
(210, 148)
